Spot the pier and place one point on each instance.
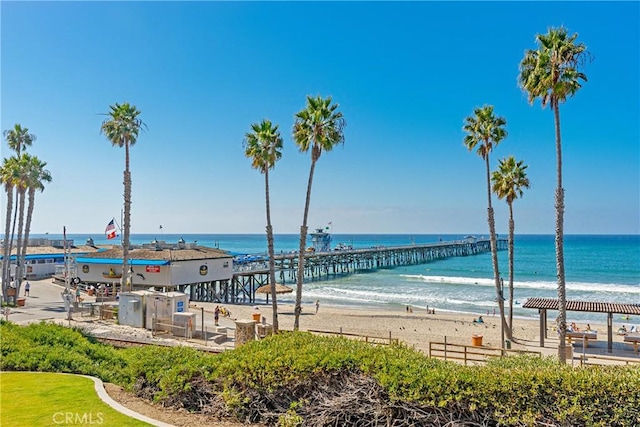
(250, 275)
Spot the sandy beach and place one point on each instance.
(416, 328)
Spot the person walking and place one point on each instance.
(27, 287)
(317, 305)
(216, 314)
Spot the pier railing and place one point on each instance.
(320, 265)
(250, 275)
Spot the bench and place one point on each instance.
(586, 336)
(633, 339)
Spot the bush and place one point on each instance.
(291, 378)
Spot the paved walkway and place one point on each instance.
(102, 394)
(44, 303)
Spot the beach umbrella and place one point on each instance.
(280, 289)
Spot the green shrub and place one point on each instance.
(518, 390)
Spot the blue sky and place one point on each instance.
(405, 75)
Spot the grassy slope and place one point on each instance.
(44, 399)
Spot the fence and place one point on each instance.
(597, 359)
(366, 338)
(471, 354)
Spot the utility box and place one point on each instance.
(179, 301)
(184, 324)
(133, 308)
(160, 309)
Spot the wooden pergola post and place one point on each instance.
(610, 332)
(543, 321)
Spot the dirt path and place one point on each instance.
(178, 418)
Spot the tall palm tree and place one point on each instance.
(552, 73)
(486, 131)
(318, 127)
(508, 182)
(18, 139)
(122, 128)
(9, 174)
(263, 145)
(37, 176)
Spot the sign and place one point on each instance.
(152, 269)
(180, 306)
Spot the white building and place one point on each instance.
(158, 265)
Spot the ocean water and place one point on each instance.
(598, 268)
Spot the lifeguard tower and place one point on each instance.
(321, 240)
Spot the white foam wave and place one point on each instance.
(542, 285)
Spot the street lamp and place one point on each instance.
(501, 306)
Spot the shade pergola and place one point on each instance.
(544, 304)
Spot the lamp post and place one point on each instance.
(501, 304)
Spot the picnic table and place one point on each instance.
(633, 339)
(582, 335)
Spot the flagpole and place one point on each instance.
(66, 258)
(66, 295)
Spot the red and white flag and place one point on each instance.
(110, 231)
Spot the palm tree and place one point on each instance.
(9, 174)
(122, 128)
(263, 146)
(552, 73)
(508, 182)
(18, 139)
(318, 127)
(37, 176)
(485, 131)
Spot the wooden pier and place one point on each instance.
(323, 265)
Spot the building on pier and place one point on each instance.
(321, 240)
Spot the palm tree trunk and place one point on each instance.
(272, 262)
(13, 227)
(494, 253)
(511, 245)
(126, 279)
(19, 241)
(6, 259)
(303, 243)
(13, 231)
(559, 204)
(27, 228)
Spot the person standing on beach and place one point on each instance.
(216, 314)
(317, 305)
(27, 286)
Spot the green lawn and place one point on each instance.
(47, 399)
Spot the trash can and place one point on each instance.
(476, 340)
